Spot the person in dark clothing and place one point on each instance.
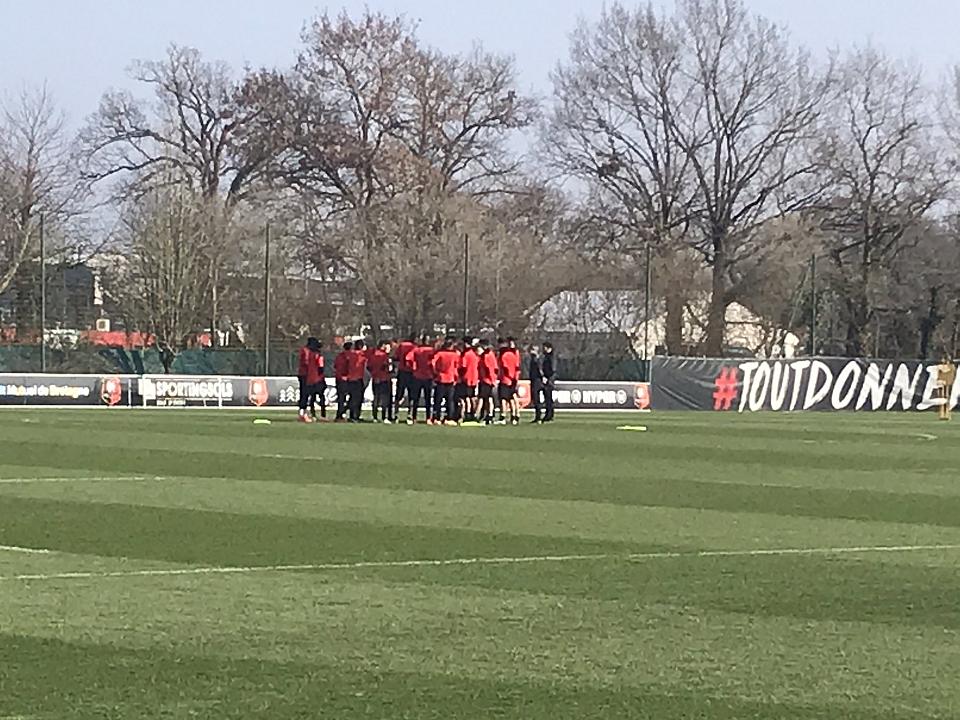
(421, 360)
(340, 371)
(405, 380)
(305, 359)
(356, 371)
(378, 365)
(535, 376)
(316, 380)
(548, 368)
(446, 368)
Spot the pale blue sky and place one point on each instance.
(82, 47)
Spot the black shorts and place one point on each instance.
(465, 391)
(507, 392)
(485, 391)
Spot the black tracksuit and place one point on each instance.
(549, 372)
(535, 374)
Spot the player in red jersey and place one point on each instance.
(488, 372)
(356, 369)
(340, 371)
(509, 377)
(378, 365)
(470, 380)
(446, 368)
(421, 360)
(305, 359)
(317, 382)
(405, 384)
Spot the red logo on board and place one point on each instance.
(258, 393)
(111, 391)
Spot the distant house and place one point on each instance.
(74, 300)
(616, 318)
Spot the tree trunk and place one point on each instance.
(857, 318)
(673, 321)
(928, 325)
(717, 314)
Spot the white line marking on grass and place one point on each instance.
(633, 557)
(26, 480)
(18, 549)
(278, 456)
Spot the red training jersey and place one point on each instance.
(446, 365)
(378, 363)
(509, 366)
(356, 365)
(470, 367)
(489, 368)
(400, 355)
(303, 364)
(340, 364)
(421, 360)
(315, 368)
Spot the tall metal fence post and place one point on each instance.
(43, 297)
(466, 282)
(266, 301)
(813, 305)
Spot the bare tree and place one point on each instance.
(191, 132)
(751, 109)
(611, 130)
(196, 132)
(384, 143)
(690, 129)
(885, 178)
(37, 177)
(163, 280)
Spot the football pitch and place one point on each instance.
(173, 564)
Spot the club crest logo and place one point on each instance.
(258, 392)
(641, 396)
(111, 391)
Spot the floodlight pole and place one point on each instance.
(813, 305)
(266, 301)
(646, 305)
(466, 282)
(43, 297)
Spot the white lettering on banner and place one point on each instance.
(818, 370)
(747, 369)
(874, 386)
(930, 398)
(198, 390)
(74, 392)
(778, 385)
(289, 394)
(850, 374)
(853, 386)
(761, 386)
(798, 368)
(904, 387)
(177, 392)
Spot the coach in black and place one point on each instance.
(548, 370)
(535, 375)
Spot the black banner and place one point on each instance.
(795, 385)
(66, 390)
(213, 391)
(571, 395)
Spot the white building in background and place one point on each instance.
(622, 311)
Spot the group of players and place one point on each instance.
(452, 381)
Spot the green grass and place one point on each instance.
(866, 635)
